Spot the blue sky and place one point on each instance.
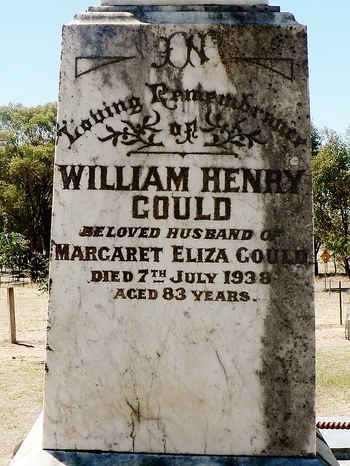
(30, 50)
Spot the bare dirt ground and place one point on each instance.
(333, 349)
(22, 364)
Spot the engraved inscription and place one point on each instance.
(230, 272)
(179, 49)
(281, 66)
(224, 135)
(131, 106)
(84, 65)
(143, 133)
(166, 119)
(224, 130)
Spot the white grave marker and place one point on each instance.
(181, 312)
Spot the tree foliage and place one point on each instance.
(13, 251)
(316, 139)
(27, 137)
(331, 186)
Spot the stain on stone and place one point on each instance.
(287, 374)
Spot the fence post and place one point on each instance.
(340, 305)
(11, 306)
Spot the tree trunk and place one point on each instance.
(347, 267)
(335, 265)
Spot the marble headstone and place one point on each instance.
(181, 313)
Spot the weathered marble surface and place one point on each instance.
(32, 454)
(181, 310)
(190, 14)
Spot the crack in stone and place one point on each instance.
(221, 364)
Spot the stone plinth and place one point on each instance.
(177, 2)
(32, 454)
(181, 313)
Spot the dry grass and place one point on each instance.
(21, 366)
(333, 380)
(333, 352)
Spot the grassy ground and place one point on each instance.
(21, 385)
(333, 351)
(22, 365)
(333, 381)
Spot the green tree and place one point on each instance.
(27, 137)
(331, 186)
(316, 144)
(13, 251)
(316, 139)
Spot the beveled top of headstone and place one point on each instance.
(181, 2)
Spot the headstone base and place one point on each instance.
(32, 454)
